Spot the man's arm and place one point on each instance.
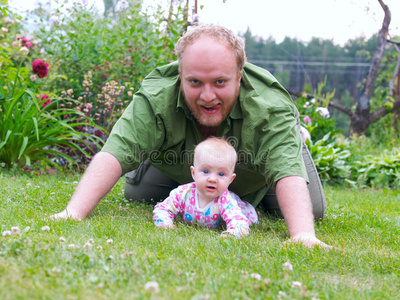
(295, 204)
(99, 178)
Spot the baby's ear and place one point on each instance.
(192, 171)
(233, 177)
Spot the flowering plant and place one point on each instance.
(33, 129)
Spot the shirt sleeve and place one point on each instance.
(136, 134)
(164, 212)
(236, 222)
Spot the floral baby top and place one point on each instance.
(237, 214)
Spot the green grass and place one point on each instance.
(191, 262)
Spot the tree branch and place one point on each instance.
(396, 70)
(342, 108)
(380, 47)
(382, 111)
(338, 106)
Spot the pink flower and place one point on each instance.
(32, 77)
(44, 97)
(305, 134)
(26, 42)
(307, 120)
(40, 68)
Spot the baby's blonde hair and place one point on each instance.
(217, 147)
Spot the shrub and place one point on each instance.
(33, 126)
(381, 171)
(122, 47)
(331, 160)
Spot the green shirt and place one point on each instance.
(158, 125)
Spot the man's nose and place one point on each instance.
(207, 94)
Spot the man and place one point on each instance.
(211, 91)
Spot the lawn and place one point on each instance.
(115, 252)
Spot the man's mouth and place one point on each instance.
(210, 109)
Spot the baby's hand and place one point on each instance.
(238, 232)
(167, 226)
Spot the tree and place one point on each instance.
(362, 117)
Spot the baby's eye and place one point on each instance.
(205, 171)
(221, 174)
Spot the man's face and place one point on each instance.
(210, 80)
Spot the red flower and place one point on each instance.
(40, 68)
(26, 42)
(44, 97)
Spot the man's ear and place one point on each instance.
(192, 171)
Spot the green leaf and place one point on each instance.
(24, 144)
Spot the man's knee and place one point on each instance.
(148, 184)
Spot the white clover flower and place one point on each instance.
(287, 266)
(87, 245)
(62, 239)
(5, 30)
(313, 100)
(255, 276)
(281, 294)
(15, 230)
(6, 233)
(91, 241)
(71, 247)
(109, 241)
(99, 247)
(46, 228)
(296, 284)
(152, 287)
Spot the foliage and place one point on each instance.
(332, 160)
(190, 262)
(381, 171)
(123, 46)
(31, 131)
(315, 116)
(33, 125)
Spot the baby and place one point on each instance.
(207, 201)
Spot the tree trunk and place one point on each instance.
(360, 120)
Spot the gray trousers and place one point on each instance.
(150, 185)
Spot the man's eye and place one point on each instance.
(221, 174)
(205, 171)
(220, 81)
(194, 81)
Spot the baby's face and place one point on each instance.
(212, 176)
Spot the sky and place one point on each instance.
(337, 20)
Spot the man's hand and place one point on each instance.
(64, 215)
(308, 240)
